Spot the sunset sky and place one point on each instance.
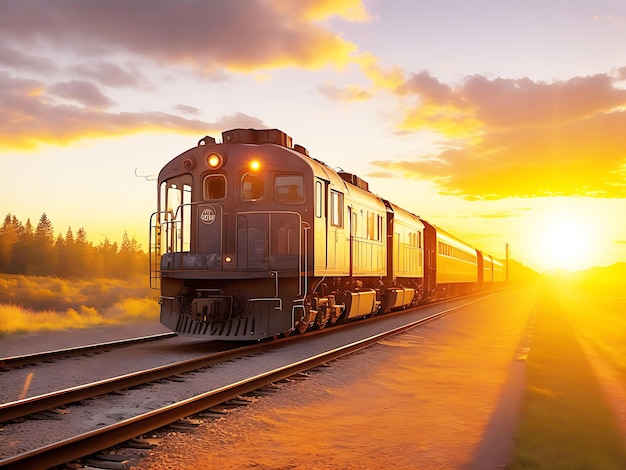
(502, 121)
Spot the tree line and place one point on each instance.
(36, 252)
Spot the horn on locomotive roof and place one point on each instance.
(206, 140)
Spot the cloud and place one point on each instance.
(60, 60)
(236, 120)
(316, 10)
(111, 75)
(13, 59)
(498, 214)
(32, 114)
(203, 36)
(349, 93)
(386, 79)
(85, 93)
(519, 137)
(185, 109)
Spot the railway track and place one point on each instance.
(247, 369)
(28, 406)
(22, 360)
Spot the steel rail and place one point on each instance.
(31, 405)
(26, 359)
(111, 435)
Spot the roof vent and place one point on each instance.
(301, 149)
(256, 136)
(355, 180)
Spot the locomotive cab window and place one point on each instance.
(289, 189)
(252, 187)
(214, 187)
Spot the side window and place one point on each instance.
(336, 209)
(371, 226)
(319, 199)
(252, 187)
(214, 187)
(289, 189)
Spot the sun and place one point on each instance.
(565, 241)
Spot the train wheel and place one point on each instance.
(302, 326)
(322, 317)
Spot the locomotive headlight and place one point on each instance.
(255, 165)
(215, 161)
(228, 262)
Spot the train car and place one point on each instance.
(499, 271)
(485, 269)
(253, 238)
(405, 258)
(453, 265)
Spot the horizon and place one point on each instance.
(500, 123)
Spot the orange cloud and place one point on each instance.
(29, 119)
(105, 48)
(381, 80)
(315, 10)
(207, 37)
(519, 137)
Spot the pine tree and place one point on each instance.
(43, 261)
(67, 255)
(36, 252)
(23, 260)
(44, 230)
(106, 257)
(83, 254)
(9, 236)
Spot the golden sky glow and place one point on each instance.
(447, 111)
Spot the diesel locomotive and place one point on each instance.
(253, 238)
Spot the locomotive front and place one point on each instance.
(229, 240)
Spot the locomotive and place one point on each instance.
(253, 238)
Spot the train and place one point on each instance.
(253, 238)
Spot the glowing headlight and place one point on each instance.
(255, 165)
(215, 161)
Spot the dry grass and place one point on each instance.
(29, 303)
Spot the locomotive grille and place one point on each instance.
(212, 309)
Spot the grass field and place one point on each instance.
(33, 303)
(568, 421)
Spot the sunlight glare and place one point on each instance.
(565, 242)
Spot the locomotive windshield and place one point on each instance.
(289, 189)
(214, 187)
(252, 187)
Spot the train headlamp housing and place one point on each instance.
(215, 161)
